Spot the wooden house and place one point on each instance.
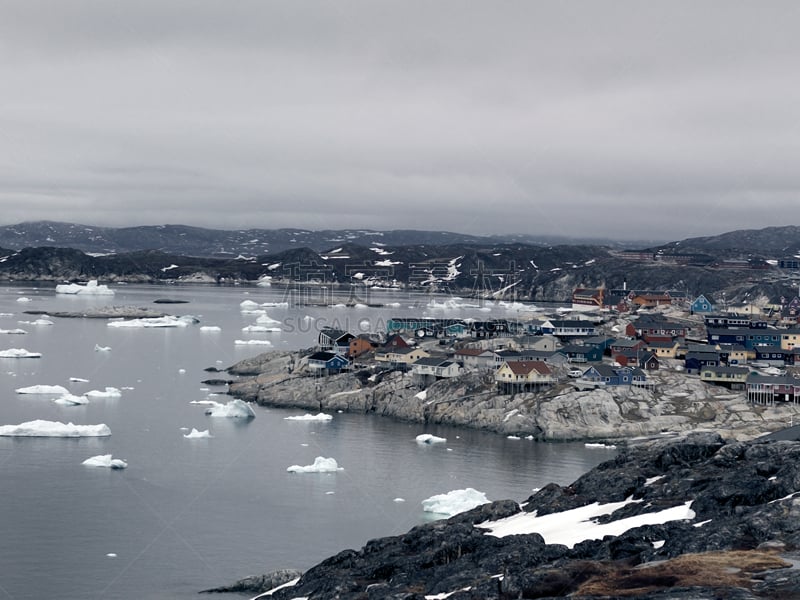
(327, 362)
(767, 389)
(522, 376)
(734, 378)
(334, 340)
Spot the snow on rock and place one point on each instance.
(41, 428)
(195, 434)
(109, 392)
(321, 465)
(105, 460)
(152, 322)
(421, 395)
(309, 417)
(92, 288)
(571, 527)
(427, 438)
(454, 502)
(237, 409)
(42, 389)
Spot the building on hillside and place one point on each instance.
(701, 304)
(334, 340)
(523, 376)
(734, 378)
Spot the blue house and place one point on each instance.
(701, 304)
(695, 361)
(607, 375)
(328, 362)
(581, 354)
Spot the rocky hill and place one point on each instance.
(695, 518)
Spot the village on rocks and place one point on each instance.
(615, 366)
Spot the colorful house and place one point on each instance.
(327, 362)
(701, 304)
(521, 376)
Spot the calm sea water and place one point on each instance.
(189, 514)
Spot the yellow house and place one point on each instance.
(663, 349)
(401, 356)
(790, 339)
(523, 375)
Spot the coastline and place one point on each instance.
(677, 404)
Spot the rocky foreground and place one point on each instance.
(698, 517)
(677, 403)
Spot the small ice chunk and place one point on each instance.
(399, 500)
(195, 434)
(71, 400)
(454, 502)
(99, 348)
(238, 409)
(427, 438)
(210, 328)
(109, 392)
(105, 460)
(92, 288)
(42, 389)
(309, 417)
(252, 342)
(321, 465)
(79, 380)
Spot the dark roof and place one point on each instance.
(728, 370)
(790, 434)
(323, 356)
(433, 361)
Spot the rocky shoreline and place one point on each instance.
(699, 517)
(677, 403)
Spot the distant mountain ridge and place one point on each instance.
(198, 241)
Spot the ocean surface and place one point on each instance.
(189, 514)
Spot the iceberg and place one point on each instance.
(71, 400)
(23, 299)
(42, 389)
(79, 380)
(41, 321)
(454, 502)
(427, 438)
(109, 392)
(19, 353)
(309, 417)
(237, 409)
(260, 329)
(265, 319)
(13, 331)
(105, 460)
(209, 328)
(194, 434)
(321, 465)
(92, 288)
(41, 428)
(148, 322)
(99, 348)
(252, 342)
(264, 281)
(248, 305)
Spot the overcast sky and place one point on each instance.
(633, 119)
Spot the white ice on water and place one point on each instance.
(105, 460)
(152, 322)
(109, 392)
(309, 417)
(79, 380)
(260, 329)
(252, 342)
(265, 319)
(42, 389)
(13, 331)
(92, 288)
(71, 400)
(321, 465)
(236, 409)
(19, 353)
(427, 438)
(99, 348)
(195, 434)
(454, 502)
(209, 328)
(41, 428)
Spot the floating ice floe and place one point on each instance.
(601, 446)
(309, 417)
(23, 299)
(237, 409)
(209, 328)
(321, 465)
(454, 502)
(19, 353)
(148, 322)
(40, 321)
(13, 331)
(105, 460)
(42, 389)
(109, 392)
(99, 348)
(399, 500)
(71, 400)
(427, 438)
(265, 319)
(260, 329)
(195, 434)
(79, 380)
(41, 428)
(252, 342)
(264, 281)
(248, 305)
(92, 288)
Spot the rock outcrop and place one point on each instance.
(698, 517)
(676, 403)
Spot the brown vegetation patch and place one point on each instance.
(710, 569)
